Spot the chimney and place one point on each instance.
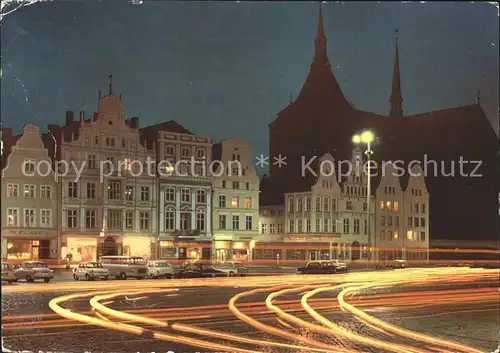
(69, 117)
(134, 122)
(82, 116)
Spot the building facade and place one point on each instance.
(108, 193)
(30, 200)
(235, 211)
(184, 191)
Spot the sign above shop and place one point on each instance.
(29, 232)
(309, 238)
(244, 238)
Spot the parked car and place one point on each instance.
(160, 268)
(323, 267)
(398, 263)
(90, 271)
(198, 271)
(8, 273)
(232, 268)
(123, 267)
(33, 270)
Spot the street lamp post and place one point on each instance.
(367, 137)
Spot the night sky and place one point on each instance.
(226, 69)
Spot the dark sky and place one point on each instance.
(225, 69)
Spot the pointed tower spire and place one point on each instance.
(110, 77)
(320, 41)
(396, 96)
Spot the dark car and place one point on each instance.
(197, 270)
(318, 267)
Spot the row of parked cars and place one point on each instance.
(28, 270)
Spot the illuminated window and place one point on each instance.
(409, 235)
(127, 164)
(248, 202)
(388, 205)
(13, 217)
(114, 190)
(129, 193)
(29, 191)
(396, 206)
(381, 205)
(12, 190)
(396, 235)
(234, 202)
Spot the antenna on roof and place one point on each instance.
(478, 98)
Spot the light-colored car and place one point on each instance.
(90, 271)
(397, 263)
(8, 273)
(160, 268)
(33, 270)
(232, 268)
(339, 266)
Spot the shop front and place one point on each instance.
(81, 248)
(137, 245)
(29, 244)
(182, 249)
(229, 248)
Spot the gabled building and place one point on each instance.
(235, 200)
(183, 162)
(321, 120)
(30, 199)
(109, 189)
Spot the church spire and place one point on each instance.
(320, 41)
(396, 96)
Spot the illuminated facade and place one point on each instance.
(184, 191)
(235, 212)
(109, 208)
(30, 207)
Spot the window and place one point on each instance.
(263, 228)
(124, 144)
(170, 194)
(185, 220)
(222, 201)
(185, 195)
(396, 235)
(308, 204)
(382, 235)
(409, 235)
(248, 202)
(90, 190)
(388, 205)
(129, 193)
(114, 190)
(299, 226)
(416, 208)
(389, 235)
(348, 205)
(248, 222)
(308, 226)
(90, 219)
(346, 225)
(72, 189)
(185, 152)
(144, 220)
(114, 219)
(396, 219)
(247, 185)
(223, 184)
(96, 140)
(299, 204)
(290, 205)
(201, 196)
(129, 219)
(236, 222)
(318, 225)
(234, 202)
(29, 191)
(92, 161)
(365, 206)
(110, 141)
(72, 218)
(365, 227)
(222, 221)
(29, 217)
(334, 205)
(290, 226)
(280, 228)
(389, 221)
(28, 167)
(410, 222)
(382, 221)
(127, 164)
(12, 217)
(422, 236)
(356, 226)
(170, 150)
(326, 203)
(236, 185)
(423, 208)
(415, 222)
(145, 193)
(318, 203)
(396, 206)
(381, 205)
(46, 191)
(422, 222)
(12, 190)
(169, 219)
(200, 220)
(45, 218)
(325, 226)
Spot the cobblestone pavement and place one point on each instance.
(474, 325)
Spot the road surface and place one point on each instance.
(411, 310)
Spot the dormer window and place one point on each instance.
(170, 150)
(185, 152)
(200, 153)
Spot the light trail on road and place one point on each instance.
(302, 324)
